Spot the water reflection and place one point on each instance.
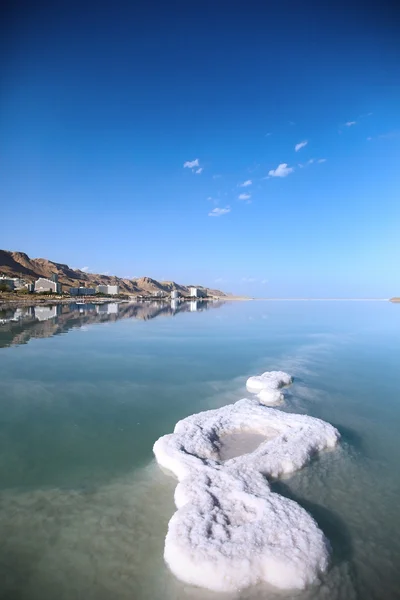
(19, 325)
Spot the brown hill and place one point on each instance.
(18, 264)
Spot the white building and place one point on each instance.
(174, 295)
(47, 285)
(82, 291)
(195, 292)
(111, 290)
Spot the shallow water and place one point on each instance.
(85, 393)
(243, 442)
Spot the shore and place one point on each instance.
(13, 300)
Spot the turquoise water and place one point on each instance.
(85, 392)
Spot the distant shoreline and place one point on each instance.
(329, 299)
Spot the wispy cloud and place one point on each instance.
(300, 145)
(311, 162)
(218, 212)
(244, 196)
(246, 183)
(386, 136)
(350, 123)
(199, 170)
(264, 281)
(85, 269)
(219, 280)
(191, 164)
(216, 176)
(281, 170)
(248, 279)
(268, 134)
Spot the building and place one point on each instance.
(195, 292)
(8, 282)
(47, 285)
(174, 295)
(111, 290)
(82, 291)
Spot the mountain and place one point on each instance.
(18, 264)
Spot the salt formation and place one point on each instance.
(268, 386)
(230, 530)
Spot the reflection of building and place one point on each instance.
(174, 294)
(112, 290)
(48, 285)
(195, 292)
(82, 291)
(43, 313)
(193, 306)
(174, 304)
(111, 308)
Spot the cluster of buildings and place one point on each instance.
(52, 285)
(194, 292)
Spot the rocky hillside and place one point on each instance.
(18, 264)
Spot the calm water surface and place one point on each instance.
(86, 390)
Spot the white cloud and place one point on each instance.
(248, 280)
(191, 164)
(264, 281)
(218, 212)
(85, 269)
(246, 183)
(300, 145)
(219, 280)
(321, 160)
(350, 123)
(281, 170)
(244, 196)
(209, 198)
(199, 170)
(268, 134)
(369, 138)
(216, 176)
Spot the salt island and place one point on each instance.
(230, 531)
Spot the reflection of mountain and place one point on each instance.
(18, 326)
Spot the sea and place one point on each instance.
(86, 390)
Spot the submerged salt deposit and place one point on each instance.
(230, 530)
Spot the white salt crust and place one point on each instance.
(230, 531)
(268, 386)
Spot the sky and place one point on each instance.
(239, 145)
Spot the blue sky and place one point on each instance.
(103, 106)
